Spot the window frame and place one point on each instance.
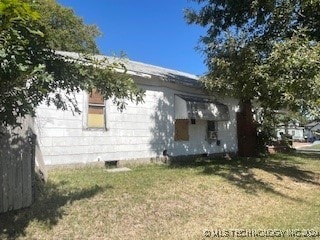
(212, 131)
(98, 105)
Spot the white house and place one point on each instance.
(293, 129)
(176, 119)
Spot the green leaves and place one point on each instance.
(66, 31)
(263, 51)
(105, 75)
(16, 10)
(292, 71)
(32, 73)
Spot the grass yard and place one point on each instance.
(315, 147)
(187, 200)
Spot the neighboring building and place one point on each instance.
(293, 130)
(312, 131)
(176, 119)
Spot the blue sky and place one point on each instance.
(149, 31)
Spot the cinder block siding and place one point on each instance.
(139, 131)
(197, 144)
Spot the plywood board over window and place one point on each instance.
(96, 111)
(181, 130)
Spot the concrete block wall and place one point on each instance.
(139, 131)
(226, 131)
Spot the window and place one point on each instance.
(181, 130)
(96, 111)
(212, 131)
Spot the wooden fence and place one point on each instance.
(17, 167)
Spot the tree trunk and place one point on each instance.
(246, 129)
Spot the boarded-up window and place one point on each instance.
(181, 130)
(96, 111)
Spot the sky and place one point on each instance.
(149, 31)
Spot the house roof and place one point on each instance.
(312, 124)
(146, 70)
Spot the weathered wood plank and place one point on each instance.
(40, 162)
(26, 177)
(32, 164)
(10, 170)
(16, 168)
(17, 196)
(1, 174)
(5, 180)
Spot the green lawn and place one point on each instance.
(315, 147)
(185, 200)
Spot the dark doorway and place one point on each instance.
(246, 131)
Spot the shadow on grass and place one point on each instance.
(239, 171)
(47, 209)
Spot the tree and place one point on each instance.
(31, 72)
(262, 51)
(66, 31)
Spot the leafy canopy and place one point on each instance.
(266, 51)
(66, 31)
(32, 72)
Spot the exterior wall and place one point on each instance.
(297, 133)
(140, 131)
(197, 144)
